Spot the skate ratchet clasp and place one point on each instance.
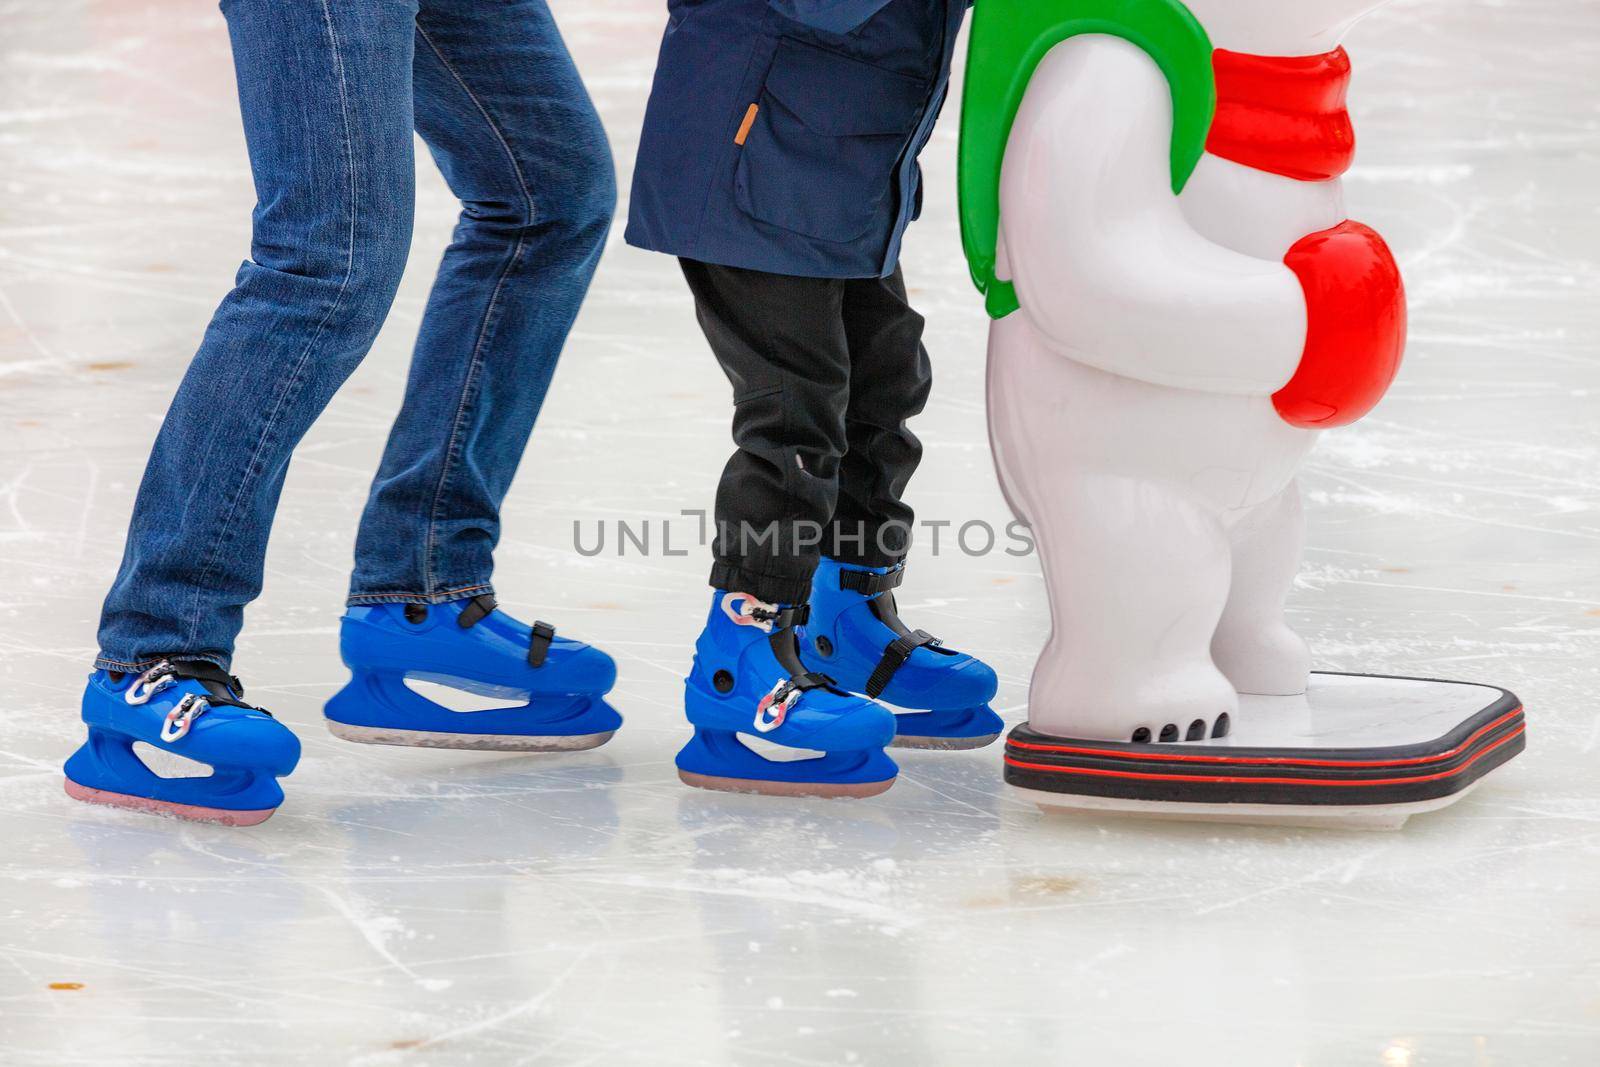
(150, 683)
(182, 716)
(784, 696)
(746, 610)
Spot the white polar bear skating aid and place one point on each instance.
(1151, 204)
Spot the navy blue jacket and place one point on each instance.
(782, 135)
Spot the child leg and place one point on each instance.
(782, 342)
(856, 634)
(890, 379)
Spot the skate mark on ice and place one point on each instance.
(374, 931)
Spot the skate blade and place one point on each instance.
(187, 812)
(826, 790)
(1379, 817)
(379, 735)
(944, 744)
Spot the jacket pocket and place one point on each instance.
(819, 156)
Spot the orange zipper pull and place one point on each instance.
(744, 127)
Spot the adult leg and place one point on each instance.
(325, 90)
(504, 112)
(505, 115)
(781, 340)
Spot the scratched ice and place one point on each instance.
(436, 907)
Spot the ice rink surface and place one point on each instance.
(460, 908)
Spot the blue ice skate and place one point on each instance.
(190, 709)
(748, 682)
(856, 636)
(469, 645)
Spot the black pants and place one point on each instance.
(825, 373)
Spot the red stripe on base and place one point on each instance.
(1233, 780)
(1273, 761)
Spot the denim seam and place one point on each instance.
(486, 328)
(443, 596)
(292, 387)
(105, 663)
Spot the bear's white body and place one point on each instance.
(1130, 398)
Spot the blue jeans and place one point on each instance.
(331, 91)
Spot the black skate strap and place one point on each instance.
(869, 584)
(476, 610)
(542, 633)
(222, 688)
(539, 643)
(895, 656)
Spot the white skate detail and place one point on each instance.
(463, 696)
(773, 752)
(771, 712)
(150, 683)
(182, 716)
(168, 764)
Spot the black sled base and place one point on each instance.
(1355, 751)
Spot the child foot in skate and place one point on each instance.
(749, 685)
(855, 634)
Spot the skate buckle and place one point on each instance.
(742, 608)
(784, 696)
(150, 683)
(182, 716)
